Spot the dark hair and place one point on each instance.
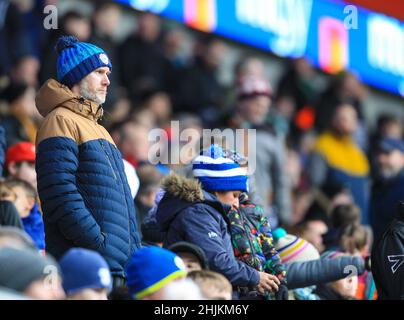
(6, 191)
(354, 237)
(187, 247)
(386, 118)
(13, 91)
(344, 215)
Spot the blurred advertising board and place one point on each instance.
(332, 34)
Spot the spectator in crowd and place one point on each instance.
(192, 126)
(132, 140)
(159, 103)
(326, 199)
(106, 19)
(191, 211)
(28, 210)
(151, 234)
(150, 270)
(14, 41)
(313, 230)
(199, 90)
(214, 286)
(26, 70)
(192, 255)
(9, 215)
(344, 289)
(247, 66)
(302, 86)
(86, 275)
(142, 60)
(388, 126)
(22, 118)
(72, 23)
(26, 272)
(20, 162)
(270, 179)
(150, 180)
(91, 206)
(294, 249)
(306, 271)
(15, 238)
(176, 57)
(338, 160)
(389, 185)
(387, 259)
(252, 237)
(341, 217)
(356, 239)
(344, 87)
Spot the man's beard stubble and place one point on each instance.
(86, 93)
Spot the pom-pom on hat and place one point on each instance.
(78, 59)
(218, 173)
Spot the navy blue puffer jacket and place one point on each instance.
(188, 213)
(84, 193)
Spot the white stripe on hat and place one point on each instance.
(209, 160)
(218, 173)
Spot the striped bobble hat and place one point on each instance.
(217, 173)
(77, 59)
(292, 248)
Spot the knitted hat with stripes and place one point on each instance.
(217, 173)
(292, 248)
(78, 59)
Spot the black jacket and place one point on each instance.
(9, 215)
(388, 260)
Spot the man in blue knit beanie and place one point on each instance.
(85, 196)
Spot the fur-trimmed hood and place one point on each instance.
(180, 194)
(183, 188)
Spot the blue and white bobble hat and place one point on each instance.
(78, 59)
(218, 173)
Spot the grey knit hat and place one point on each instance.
(20, 267)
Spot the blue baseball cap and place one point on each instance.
(84, 269)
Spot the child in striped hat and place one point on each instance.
(294, 249)
(220, 173)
